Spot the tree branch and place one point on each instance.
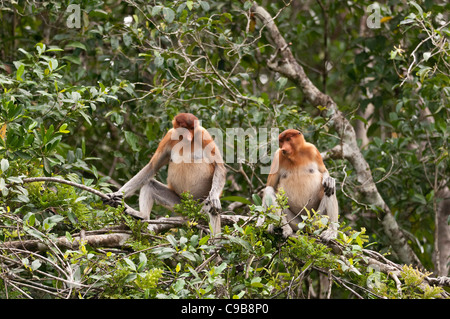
(117, 237)
(129, 210)
(103, 240)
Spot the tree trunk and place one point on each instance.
(441, 255)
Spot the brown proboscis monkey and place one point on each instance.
(195, 165)
(298, 169)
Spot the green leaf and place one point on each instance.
(28, 55)
(156, 10)
(72, 59)
(35, 233)
(194, 240)
(205, 5)
(159, 60)
(247, 5)
(130, 264)
(53, 64)
(142, 261)
(203, 241)
(172, 241)
(55, 219)
(132, 140)
(417, 7)
(55, 49)
(165, 252)
(169, 15)
(419, 198)
(239, 199)
(127, 39)
(76, 44)
(40, 47)
(20, 71)
(4, 165)
(69, 237)
(179, 284)
(306, 265)
(256, 282)
(47, 166)
(188, 255)
(241, 242)
(257, 200)
(239, 295)
(62, 129)
(219, 269)
(30, 219)
(281, 82)
(36, 264)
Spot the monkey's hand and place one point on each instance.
(286, 230)
(114, 199)
(329, 186)
(212, 205)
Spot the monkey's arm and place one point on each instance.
(217, 186)
(269, 198)
(159, 159)
(211, 205)
(274, 174)
(328, 204)
(272, 181)
(328, 182)
(145, 174)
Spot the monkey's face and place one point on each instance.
(186, 121)
(290, 141)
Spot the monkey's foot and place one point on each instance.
(113, 200)
(329, 185)
(212, 206)
(286, 230)
(329, 234)
(133, 213)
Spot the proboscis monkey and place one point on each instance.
(298, 169)
(195, 166)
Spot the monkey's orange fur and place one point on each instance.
(299, 170)
(200, 172)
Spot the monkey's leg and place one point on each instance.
(329, 206)
(269, 199)
(214, 217)
(155, 191)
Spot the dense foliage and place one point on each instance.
(89, 103)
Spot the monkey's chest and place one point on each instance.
(195, 178)
(303, 187)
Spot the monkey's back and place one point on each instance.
(195, 178)
(302, 186)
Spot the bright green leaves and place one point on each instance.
(132, 140)
(169, 14)
(20, 72)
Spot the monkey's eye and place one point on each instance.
(288, 139)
